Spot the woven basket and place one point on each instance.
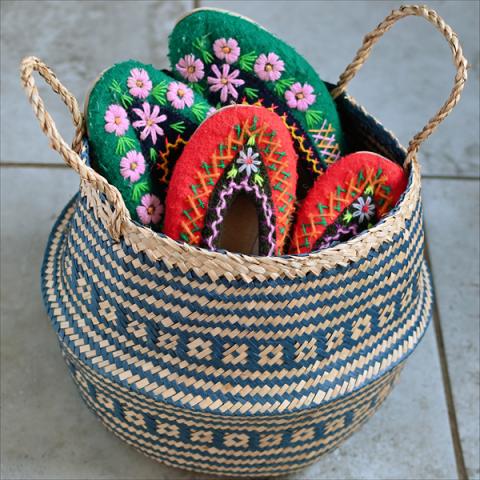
(226, 363)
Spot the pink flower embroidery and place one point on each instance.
(300, 97)
(149, 121)
(132, 166)
(269, 67)
(116, 120)
(180, 95)
(139, 83)
(150, 209)
(190, 68)
(227, 50)
(225, 82)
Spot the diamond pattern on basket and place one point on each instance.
(270, 355)
(201, 436)
(167, 341)
(303, 435)
(200, 349)
(168, 429)
(237, 440)
(235, 354)
(306, 350)
(361, 327)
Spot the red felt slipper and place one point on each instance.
(233, 187)
(353, 194)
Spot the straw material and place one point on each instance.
(226, 363)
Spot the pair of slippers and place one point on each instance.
(229, 149)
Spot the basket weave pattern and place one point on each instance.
(233, 364)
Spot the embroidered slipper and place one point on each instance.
(354, 193)
(231, 59)
(235, 182)
(138, 121)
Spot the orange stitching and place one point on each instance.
(318, 220)
(163, 165)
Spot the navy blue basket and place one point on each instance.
(226, 363)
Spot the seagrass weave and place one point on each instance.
(232, 364)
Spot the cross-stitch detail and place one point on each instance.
(326, 142)
(361, 196)
(245, 63)
(316, 144)
(251, 159)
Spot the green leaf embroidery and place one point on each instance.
(347, 217)
(200, 44)
(232, 173)
(369, 190)
(313, 117)
(247, 60)
(199, 110)
(138, 189)
(123, 145)
(197, 87)
(125, 99)
(251, 93)
(115, 87)
(159, 92)
(251, 140)
(258, 179)
(178, 126)
(153, 155)
(282, 84)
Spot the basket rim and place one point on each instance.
(234, 266)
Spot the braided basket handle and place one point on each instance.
(459, 61)
(69, 154)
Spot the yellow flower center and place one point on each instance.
(150, 210)
(191, 69)
(139, 83)
(118, 120)
(268, 67)
(180, 92)
(149, 122)
(299, 96)
(133, 165)
(226, 49)
(224, 81)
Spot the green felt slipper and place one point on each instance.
(138, 121)
(231, 59)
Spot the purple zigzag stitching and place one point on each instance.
(327, 241)
(222, 204)
(318, 137)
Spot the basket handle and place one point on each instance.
(69, 154)
(459, 61)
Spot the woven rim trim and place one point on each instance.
(249, 268)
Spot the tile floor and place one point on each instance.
(429, 427)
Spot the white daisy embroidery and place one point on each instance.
(248, 162)
(363, 209)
